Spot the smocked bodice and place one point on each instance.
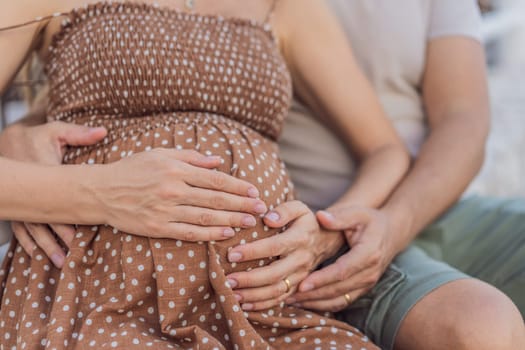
(128, 60)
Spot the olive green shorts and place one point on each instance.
(479, 237)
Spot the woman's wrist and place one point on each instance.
(77, 200)
(9, 133)
(90, 186)
(335, 240)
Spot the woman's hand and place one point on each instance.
(45, 144)
(301, 247)
(336, 286)
(167, 193)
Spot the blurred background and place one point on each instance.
(504, 34)
(503, 173)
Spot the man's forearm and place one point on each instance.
(449, 160)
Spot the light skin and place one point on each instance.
(453, 113)
(351, 107)
(454, 110)
(456, 101)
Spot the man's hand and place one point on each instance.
(45, 144)
(334, 287)
(301, 247)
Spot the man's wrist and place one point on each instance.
(401, 220)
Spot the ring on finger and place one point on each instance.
(348, 299)
(288, 285)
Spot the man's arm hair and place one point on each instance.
(457, 103)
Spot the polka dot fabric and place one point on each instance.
(160, 78)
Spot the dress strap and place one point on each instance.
(270, 11)
(36, 20)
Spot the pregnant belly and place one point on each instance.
(246, 153)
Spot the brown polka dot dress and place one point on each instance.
(156, 77)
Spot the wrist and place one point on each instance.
(88, 185)
(12, 132)
(401, 222)
(334, 241)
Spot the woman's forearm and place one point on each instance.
(377, 177)
(37, 193)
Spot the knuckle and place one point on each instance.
(218, 180)
(275, 250)
(246, 205)
(205, 219)
(247, 252)
(337, 290)
(235, 220)
(245, 280)
(376, 276)
(301, 265)
(374, 258)
(341, 275)
(277, 290)
(269, 304)
(300, 207)
(303, 240)
(165, 192)
(305, 262)
(190, 235)
(153, 226)
(217, 202)
(338, 307)
(334, 308)
(372, 279)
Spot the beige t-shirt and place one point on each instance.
(389, 39)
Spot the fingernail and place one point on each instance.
(273, 216)
(57, 259)
(238, 297)
(253, 192)
(290, 300)
(247, 307)
(249, 221)
(228, 232)
(216, 158)
(234, 257)
(260, 208)
(306, 287)
(232, 283)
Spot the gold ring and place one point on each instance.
(288, 284)
(348, 299)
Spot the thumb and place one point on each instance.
(79, 135)
(339, 219)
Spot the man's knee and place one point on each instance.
(488, 319)
(465, 314)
